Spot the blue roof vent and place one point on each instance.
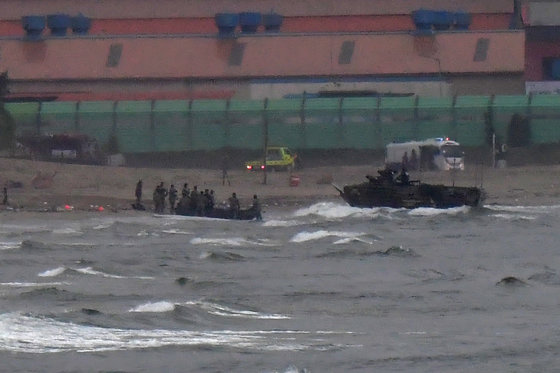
(462, 20)
(226, 22)
(250, 22)
(423, 19)
(58, 23)
(81, 24)
(33, 26)
(443, 20)
(272, 22)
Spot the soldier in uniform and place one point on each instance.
(172, 198)
(234, 205)
(138, 192)
(257, 207)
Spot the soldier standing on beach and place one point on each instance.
(138, 192)
(5, 196)
(257, 207)
(172, 198)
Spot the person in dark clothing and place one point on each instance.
(234, 205)
(185, 192)
(172, 198)
(403, 177)
(201, 204)
(5, 196)
(225, 166)
(159, 198)
(257, 207)
(194, 198)
(138, 192)
(212, 199)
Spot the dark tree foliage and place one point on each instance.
(519, 131)
(7, 124)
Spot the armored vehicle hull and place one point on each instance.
(384, 191)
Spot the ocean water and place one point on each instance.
(324, 288)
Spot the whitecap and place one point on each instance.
(220, 310)
(10, 245)
(52, 272)
(66, 231)
(347, 240)
(331, 210)
(31, 334)
(512, 217)
(162, 306)
(317, 235)
(175, 231)
(233, 241)
(91, 271)
(526, 209)
(430, 211)
(281, 223)
(32, 284)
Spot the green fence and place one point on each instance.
(312, 123)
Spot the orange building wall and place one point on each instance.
(264, 56)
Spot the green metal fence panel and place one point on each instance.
(396, 119)
(25, 115)
(171, 126)
(96, 119)
(326, 123)
(504, 108)
(323, 129)
(134, 128)
(244, 125)
(434, 118)
(208, 124)
(545, 119)
(285, 128)
(471, 113)
(59, 117)
(358, 122)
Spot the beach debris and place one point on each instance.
(511, 281)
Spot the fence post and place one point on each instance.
(302, 122)
(153, 125)
(190, 125)
(265, 137)
(341, 136)
(77, 117)
(226, 123)
(416, 116)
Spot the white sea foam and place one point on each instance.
(280, 223)
(91, 271)
(10, 245)
(67, 230)
(524, 209)
(429, 211)
(32, 284)
(347, 240)
(232, 241)
(332, 210)
(30, 334)
(513, 217)
(219, 310)
(52, 272)
(175, 231)
(162, 306)
(317, 235)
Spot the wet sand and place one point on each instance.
(86, 187)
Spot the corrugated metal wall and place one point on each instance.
(318, 123)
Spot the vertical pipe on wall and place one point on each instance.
(226, 123)
(454, 118)
(416, 118)
(377, 123)
(341, 138)
(77, 117)
(38, 118)
(190, 125)
(265, 137)
(152, 126)
(303, 142)
(529, 113)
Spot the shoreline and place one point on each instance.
(84, 187)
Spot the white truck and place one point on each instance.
(431, 154)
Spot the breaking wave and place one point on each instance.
(32, 334)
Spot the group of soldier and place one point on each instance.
(200, 203)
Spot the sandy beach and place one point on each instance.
(85, 187)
